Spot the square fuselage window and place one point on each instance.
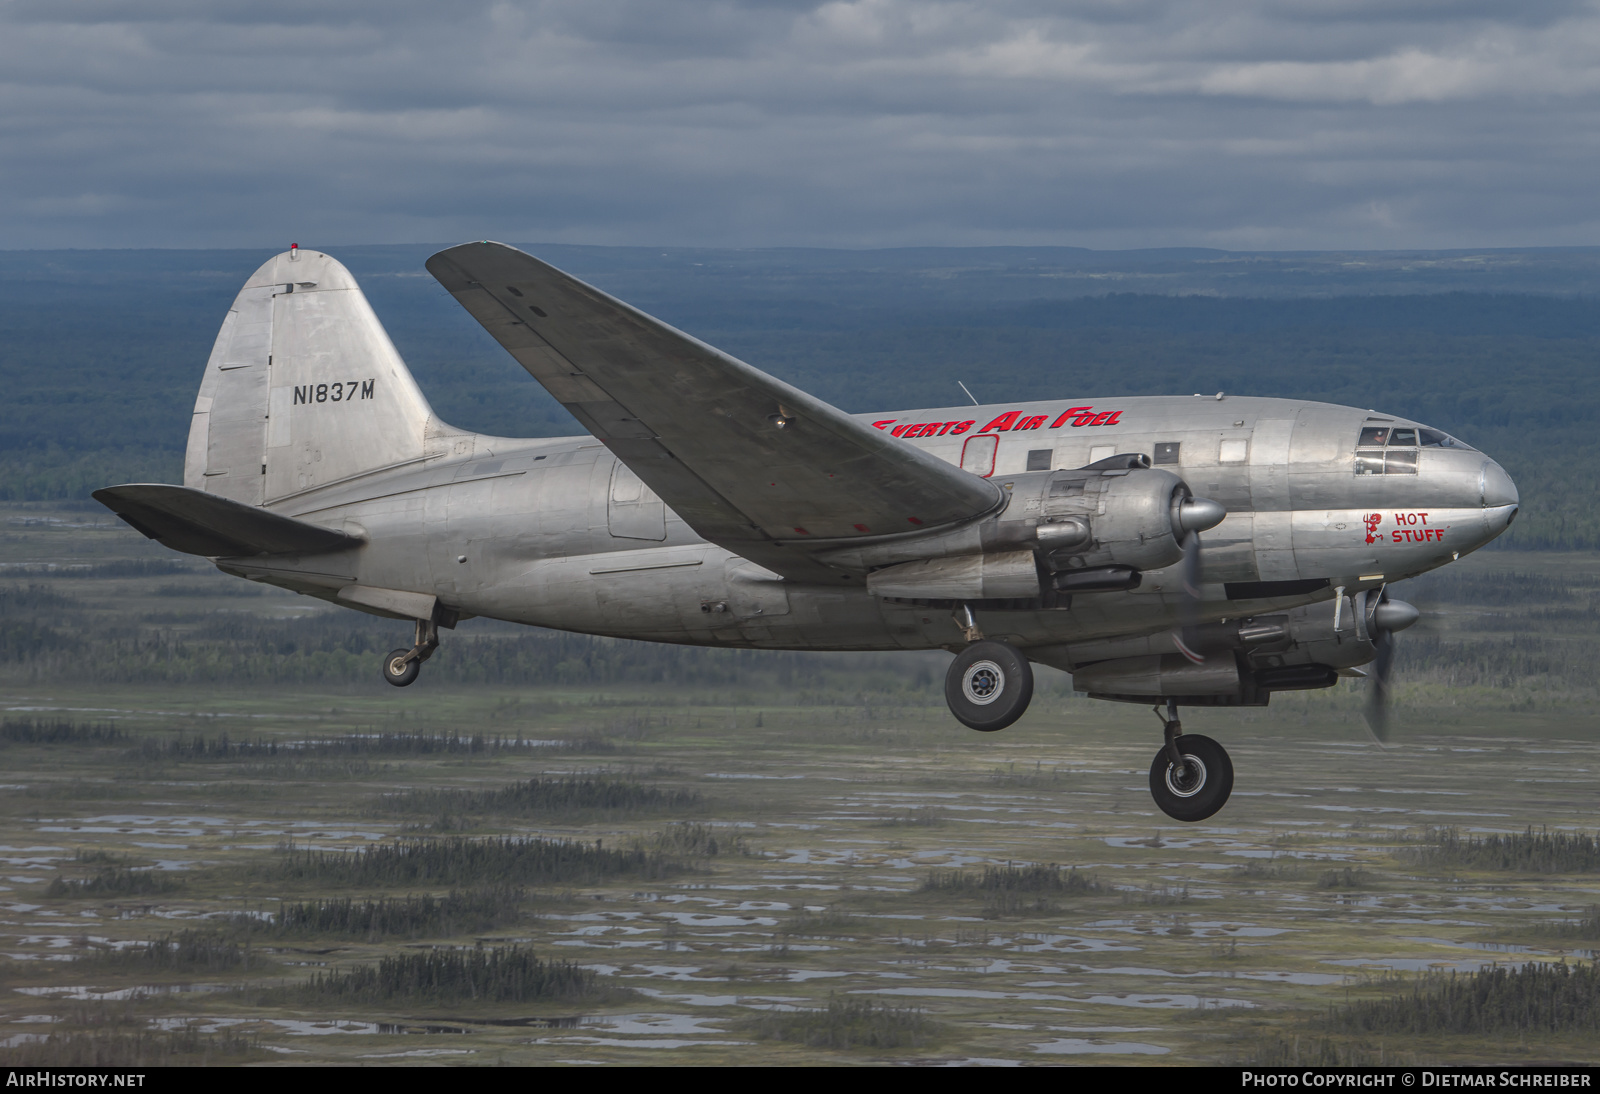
(1039, 459)
(1167, 452)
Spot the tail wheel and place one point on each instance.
(1200, 787)
(988, 686)
(399, 671)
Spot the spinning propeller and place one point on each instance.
(1190, 517)
(1384, 617)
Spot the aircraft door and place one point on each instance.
(633, 510)
(1269, 498)
(1319, 458)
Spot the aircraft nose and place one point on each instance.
(1495, 487)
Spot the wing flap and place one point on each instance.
(198, 523)
(751, 463)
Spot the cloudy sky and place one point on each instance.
(1276, 124)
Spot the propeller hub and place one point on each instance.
(1198, 515)
(1394, 615)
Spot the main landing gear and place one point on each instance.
(402, 666)
(1191, 777)
(988, 685)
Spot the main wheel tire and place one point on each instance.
(398, 671)
(989, 686)
(1202, 789)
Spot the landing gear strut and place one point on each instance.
(988, 685)
(402, 666)
(1191, 777)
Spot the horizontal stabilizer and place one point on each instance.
(198, 523)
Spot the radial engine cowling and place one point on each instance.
(1084, 531)
(1134, 518)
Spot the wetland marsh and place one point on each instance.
(223, 838)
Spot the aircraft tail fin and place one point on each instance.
(304, 389)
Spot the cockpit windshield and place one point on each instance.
(1432, 438)
(1392, 449)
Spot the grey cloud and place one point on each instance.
(1225, 123)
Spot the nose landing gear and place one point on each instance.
(401, 666)
(1192, 776)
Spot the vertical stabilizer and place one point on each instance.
(303, 389)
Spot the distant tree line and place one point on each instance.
(94, 403)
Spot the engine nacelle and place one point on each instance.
(1005, 574)
(1245, 660)
(1091, 530)
(1091, 519)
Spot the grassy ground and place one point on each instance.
(773, 868)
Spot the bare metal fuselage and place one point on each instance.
(557, 533)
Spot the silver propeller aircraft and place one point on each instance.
(715, 505)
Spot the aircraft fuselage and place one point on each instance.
(558, 533)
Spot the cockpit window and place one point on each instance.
(1392, 449)
(1369, 461)
(1432, 438)
(1400, 461)
(1386, 461)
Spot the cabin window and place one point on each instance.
(1406, 436)
(1039, 459)
(1373, 434)
(1167, 452)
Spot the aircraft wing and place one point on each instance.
(749, 462)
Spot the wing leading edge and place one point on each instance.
(749, 462)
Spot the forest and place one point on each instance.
(101, 352)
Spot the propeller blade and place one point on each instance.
(1379, 692)
(1190, 517)
(1189, 607)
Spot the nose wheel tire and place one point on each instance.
(1200, 787)
(398, 670)
(988, 686)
